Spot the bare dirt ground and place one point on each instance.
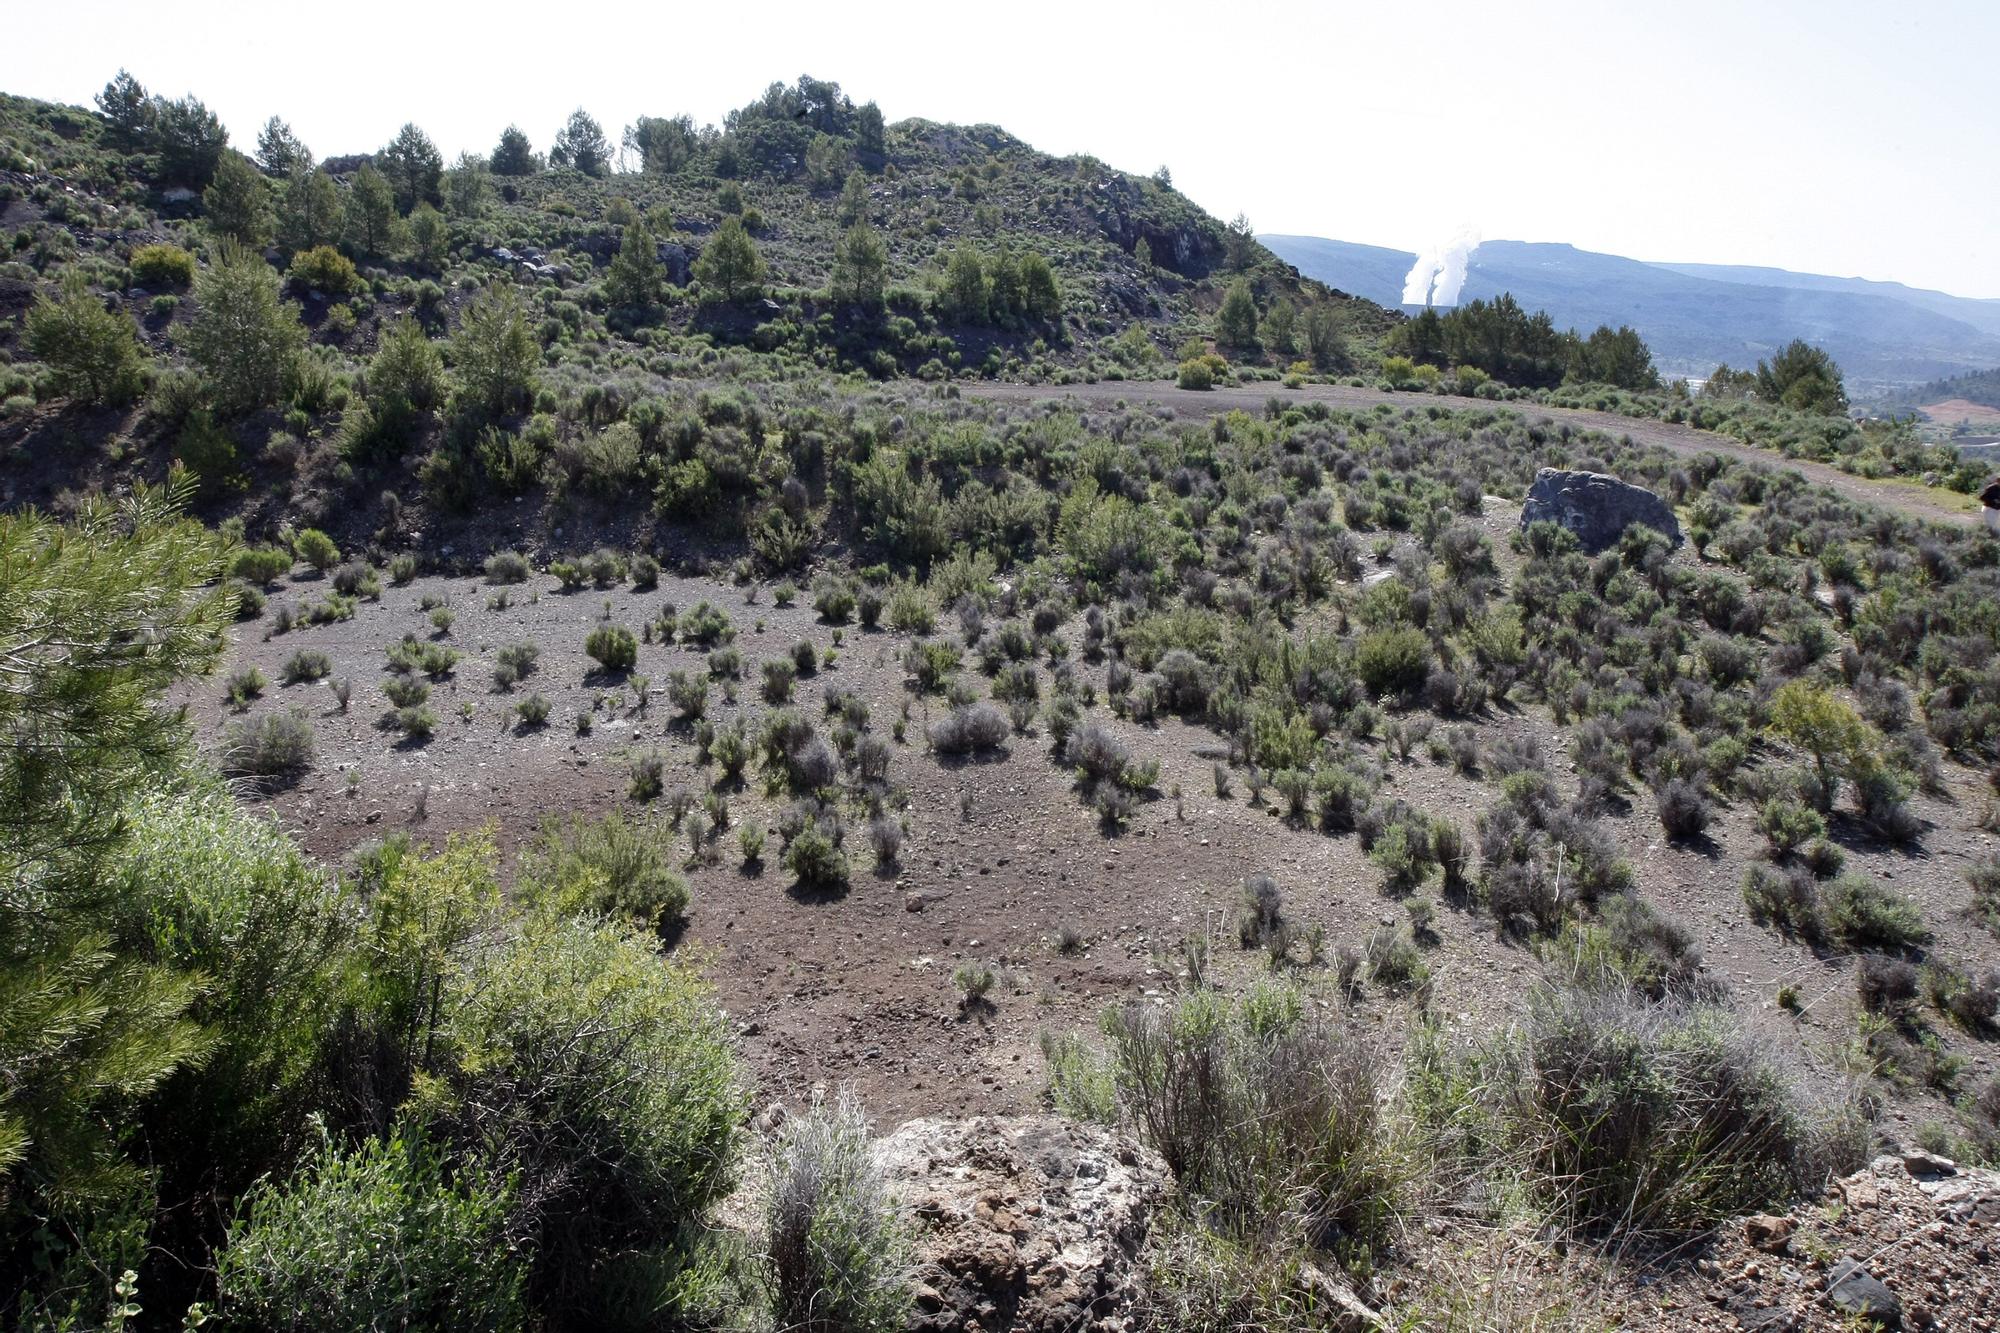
(1001, 854)
(1921, 502)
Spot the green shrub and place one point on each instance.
(316, 549)
(1861, 914)
(307, 664)
(608, 866)
(839, 1254)
(384, 1235)
(817, 861)
(1393, 661)
(92, 353)
(325, 269)
(602, 1074)
(507, 567)
(162, 266)
(1626, 1115)
(1263, 1109)
(1195, 374)
(613, 647)
(262, 565)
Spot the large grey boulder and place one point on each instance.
(1029, 1223)
(1596, 507)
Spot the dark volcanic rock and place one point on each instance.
(1596, 507)
(1850, 1290)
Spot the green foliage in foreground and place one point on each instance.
(381, 1100)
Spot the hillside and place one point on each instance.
(1695, 317)
(1982, 314)
(716, 749)
(1973, 398)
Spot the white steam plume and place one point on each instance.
(1437, 276)
(1417, 287)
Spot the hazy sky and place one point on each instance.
(1840, 136)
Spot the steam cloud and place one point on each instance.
(1439, 273)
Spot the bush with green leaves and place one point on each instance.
(1861, 914)
(384, 1234)
(613, 647)
(92, 352)
(1263, 1109)
(325, 270)
(276, 745)
(1393, 661)
(817, 861)
(610, 866)
(1628, 1116)
(600, 1076)
(839, 1253)
(316, 549)
(161, 265)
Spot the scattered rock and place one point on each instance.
(1025, 1222)
(1770, 1232)
(1920, 1163)
(1596, 507)
(1850, 1290)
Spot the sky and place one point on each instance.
(1842, 137)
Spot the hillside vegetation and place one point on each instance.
(562, 714)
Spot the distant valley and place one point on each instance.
(1886, 336)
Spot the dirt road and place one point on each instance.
(1920, 502)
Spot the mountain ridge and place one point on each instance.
(1885, 335)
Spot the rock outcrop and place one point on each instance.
(1596, 507)
(1909, 1242)
(1023, 1222)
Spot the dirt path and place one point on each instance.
(1919, 502)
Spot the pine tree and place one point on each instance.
(634, 277)
(101, 617)
(730, 269)
(853, 199)
(1326, 343)
(413, 166)
(430, 237)
(309, 211)
(1006, 293)
(189, 140)
(93, 352)
(1803, 377)
(371, 212)
(1239, 244)
(869, 140)
(125, 104)
(237, 202)
(581, 144)
(280, 152)
(964, 292)
(514, 156)
(1236, 322)
(494, 356)
(1142, 251)
(466, 186)
(1279, 323)
(245, 337)
(860, 267)
(1040, 294)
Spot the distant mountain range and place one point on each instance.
(1886, 336)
